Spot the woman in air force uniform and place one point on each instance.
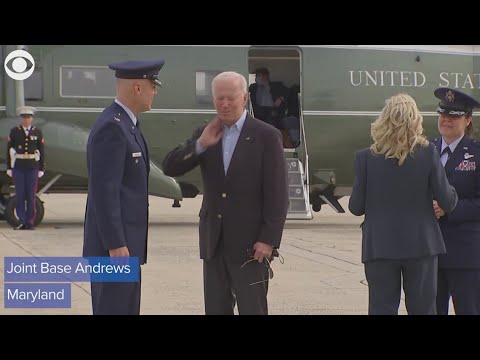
(459, 268)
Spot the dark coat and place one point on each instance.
(117, 204)
(397, 202)
(250, 202)
(461, 227)
(278, 91)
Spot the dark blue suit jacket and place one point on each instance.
(277, 90)
(117, 203)
(461, 227)
(250, 202)
(397, 202)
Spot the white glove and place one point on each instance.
(13, 157)
(9, 172)
(41, 173)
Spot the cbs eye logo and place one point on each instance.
(19, 65)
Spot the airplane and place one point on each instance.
(340, 90)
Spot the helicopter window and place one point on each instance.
(203, 86)
(86, 82)
(33, 85)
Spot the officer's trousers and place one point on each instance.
(25, 180)
(464, 287)
(117, 298)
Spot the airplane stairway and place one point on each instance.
(298, 179)
(298, 190)
(299, 203)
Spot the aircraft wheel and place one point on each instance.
(3, 201)
(11, 214)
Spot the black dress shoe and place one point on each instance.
(20, 227)
(29, 227)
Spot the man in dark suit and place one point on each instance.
(25, 164)
(459, 268)
(269, 98)
(245, 199)
(116, 219)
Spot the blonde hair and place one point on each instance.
(398, 129)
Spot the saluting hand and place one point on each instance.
(438, 210)
(261, 251)
(212, 133)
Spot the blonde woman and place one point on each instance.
(396, 181)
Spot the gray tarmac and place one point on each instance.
(321, 274)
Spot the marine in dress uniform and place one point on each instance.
(459, 268)
(116, 220)
(25, 164)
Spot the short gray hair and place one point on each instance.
(230, 74)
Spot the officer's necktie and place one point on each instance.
(138, 125)
(448, 151)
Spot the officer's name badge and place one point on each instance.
(136, 154)
(466, 165)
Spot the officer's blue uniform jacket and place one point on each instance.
(461, 227)
(117, 204)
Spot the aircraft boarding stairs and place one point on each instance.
(299, 203)
(297, 166)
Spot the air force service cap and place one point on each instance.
(26, 110)
(454, 102)
(138, 69)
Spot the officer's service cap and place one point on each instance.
(138, 69)
(454, 102)
(26, 110)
